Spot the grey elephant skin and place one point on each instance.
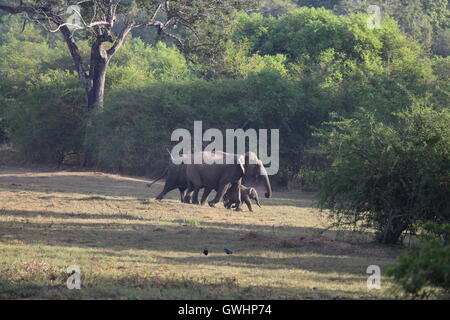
(247, 194)
(176, 179)
(212, 174)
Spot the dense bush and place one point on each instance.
(284, 73)
(46, 123)
(423, 271)
(138, 64)
(3, 127)
(3, 135)
(135, 128)
(388, 175)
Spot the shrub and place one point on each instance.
(138, 64)
(388, 175)
(423, 271)
(3, 136)
(135, 127)
(46, 123)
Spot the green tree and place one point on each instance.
(441, 42)
(104, 17)
(421, 19)
(99, 19)
(276, 8)
(388, 175)
(338, 64)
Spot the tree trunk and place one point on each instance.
(95, 93)
(94, 80)
(97, 75)
(392, 231)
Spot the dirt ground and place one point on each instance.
(129, 246)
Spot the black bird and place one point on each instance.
(228, 251)
(205, 251)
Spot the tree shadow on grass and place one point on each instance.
(254, 247)
(58, 215)
(156, 287)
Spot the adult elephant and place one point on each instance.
(176, 178)
(219, 170)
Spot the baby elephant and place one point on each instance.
(231, 197)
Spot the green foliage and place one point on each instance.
(137, 64)
(343, 57)
(28, 54)
(388, 174)
(441, 42)
(3, 135)
(306, 34)
(338, 65)
(239, 63)
(420, 19)
(259, 71)
(424, 270)
(22, 62)
(276, 8)
(135, 128)
(14, 28)
(46, 123)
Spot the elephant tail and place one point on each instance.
(162, 176)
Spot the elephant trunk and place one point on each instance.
(257, 200)
(268, 193)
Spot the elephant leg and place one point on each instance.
(220, 192)
(182, 194)
(195, 184)
(205, 195)
(248, 203)
(238, 206)
(188, 196)
(237, 199)
(167, 188)
(161, 195)
(195, 196)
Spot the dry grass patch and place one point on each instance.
(129, 246)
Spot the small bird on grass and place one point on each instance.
(205, 251)
(227, 251)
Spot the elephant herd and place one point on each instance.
(215, 171)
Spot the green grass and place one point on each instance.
(130, 247)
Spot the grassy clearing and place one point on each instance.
(130, 247)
